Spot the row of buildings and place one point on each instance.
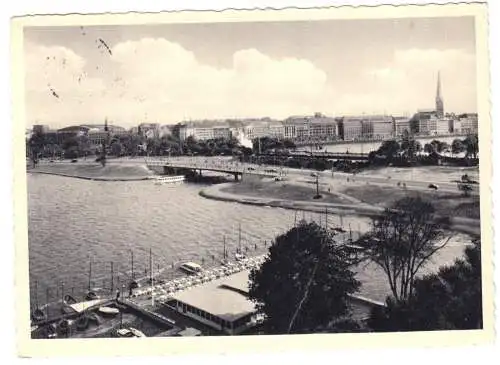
(321, 128)
(315, 128)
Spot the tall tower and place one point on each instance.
(439, 99)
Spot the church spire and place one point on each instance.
(439, 99)
(438, 92)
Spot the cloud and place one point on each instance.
(156, 80)
(62, 71)
(254, 84)
(408, 82)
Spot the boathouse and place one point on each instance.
(221, 304)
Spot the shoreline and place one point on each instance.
(94, 172)
(215, 193)
(81, 177)
(457, 224)
(465, 225)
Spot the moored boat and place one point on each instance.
(63, 327)
(38, 315)
(68, 299)
(169, 179)
(91, 296)
(109, 311)
(191, 268)
(82, 323)
(129, 332)
(239, 257)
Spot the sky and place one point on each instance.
(168, 73)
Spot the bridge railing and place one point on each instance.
(222, 166)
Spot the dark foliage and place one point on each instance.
(448, 300)
(402, 240)
(305, 282)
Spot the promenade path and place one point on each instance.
(227, 164)
(459, 224)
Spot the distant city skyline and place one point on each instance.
(170, 73)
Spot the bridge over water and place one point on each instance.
(229, 167)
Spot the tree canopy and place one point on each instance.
(264, 144)
(471, 145)
(389, 148)
(305, 281)
(402, 240)
(448, 300)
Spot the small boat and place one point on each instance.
(239, 257)
(82, 323)
(38, 315)
(63, 327)
(129, 333)
(91, 296)
(93, 317)
(136, 332)
(159, 180)
(134, 285)
(49, 331)
(191, 268)
(68, 299)
(109, 311)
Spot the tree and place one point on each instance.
(402, 240)
(471, 145)
(116, 148)
(444, 147)
(287, 143)
(389, 148)
(457, 146)
(450, 299)
(70, 142)
(410, 145)
(428, 148)
(305, 282)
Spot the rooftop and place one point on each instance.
(223, 297)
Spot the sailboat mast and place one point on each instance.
(132, 264)
(47, 299)
(239, 238)
(36, 293)
(90, 273)
(151, 269)
(150, 266)
(112, 278)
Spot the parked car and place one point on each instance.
(74, 160)
(433, 186)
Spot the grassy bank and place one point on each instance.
(446, 203)
(95, 171)
(282, 190)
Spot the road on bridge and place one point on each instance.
(228, 163)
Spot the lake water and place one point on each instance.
(367, 147)
(72, 220)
